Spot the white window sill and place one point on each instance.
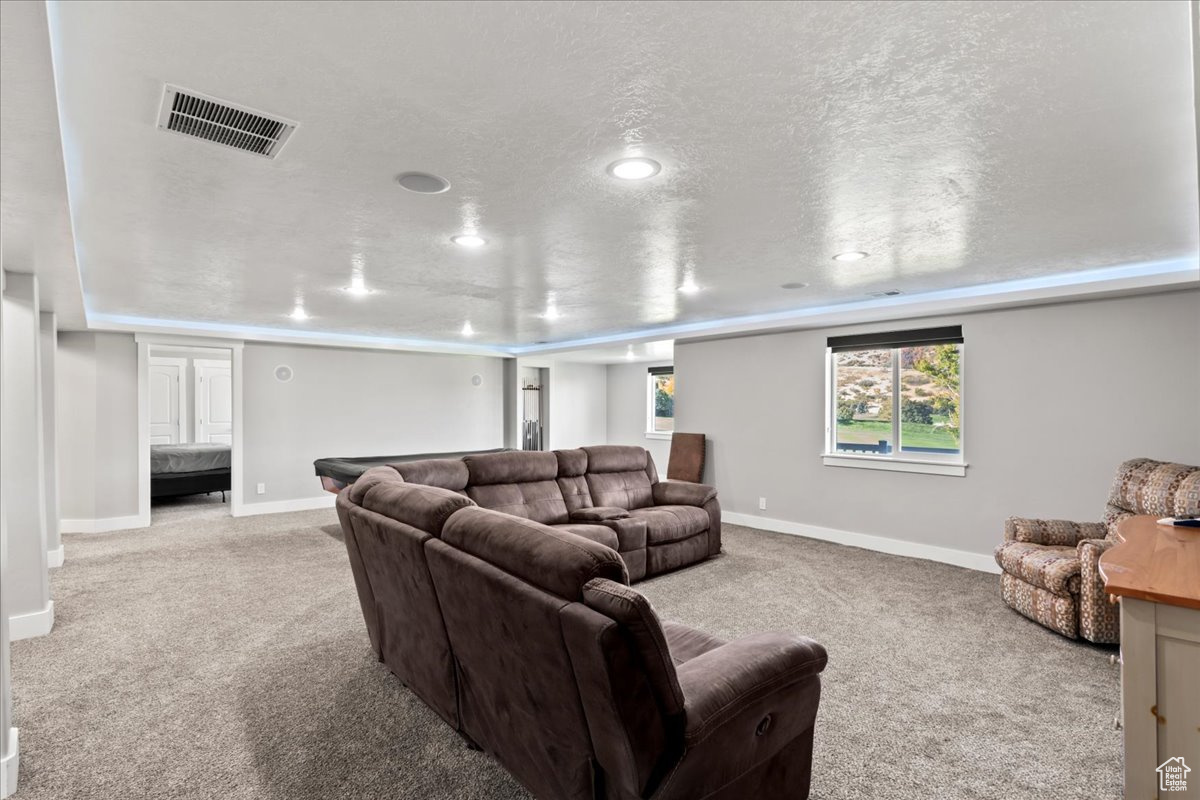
(953, 468)
(657, 435)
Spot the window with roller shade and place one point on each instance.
(660, 401)
(897, 395)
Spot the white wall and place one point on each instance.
(359, 403)
(627, 411)
(26, 581)
(9, 750)
(97, 426)
(48, 344)
(1055, 397)
(578, 405)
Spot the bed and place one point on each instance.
(181, 469)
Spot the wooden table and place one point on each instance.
(1155, 571)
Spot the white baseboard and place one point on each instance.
(983, 562)
(9, 763)
(282, 506)
(27, 626)
(103, 525)
(55, 557)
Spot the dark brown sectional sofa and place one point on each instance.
(526, 638)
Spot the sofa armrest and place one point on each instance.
(682, 493)
(1053, 532)
(719, 684)
(1090, 550)
(598, 514)
(747, 704)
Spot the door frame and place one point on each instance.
(185, 430)
(144, 342)
(197, 364)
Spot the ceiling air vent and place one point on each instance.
(194, 114)
(888, 293)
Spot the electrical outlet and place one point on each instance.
(262, 488)
(762, 504)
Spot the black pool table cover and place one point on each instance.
(347, 470)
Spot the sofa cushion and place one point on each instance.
(631, 610)
(622, 489)
(571, 463)
(671, 523)
(1145, 486)
(447, 473)
(597, 533)
(514, 466)
(1054, 569)
(540, 501)
(355, 491)
(553, 560)
(685, 642)
(417, 505)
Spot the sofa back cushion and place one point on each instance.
(1146, 486)
(620, 475)
(399, 600)
(445, 473)
(519, 483)
(417, 505)
(572, 480)
(502, 584)
(629, 609)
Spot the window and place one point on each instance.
(895, 401)
(660, 403)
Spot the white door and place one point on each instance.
(214, 402)
(165, 397)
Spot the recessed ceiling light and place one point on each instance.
(467, 329)
(634, 169)
(357, 287)
(298, 313)
(468, 240)
(629, 354)
(423, 182)
(793, 285)
(853, 255)
(689, 286)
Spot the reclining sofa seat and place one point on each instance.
(527, 640)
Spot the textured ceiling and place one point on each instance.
(958, 143)
(35, 221)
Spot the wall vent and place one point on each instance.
(193, 114)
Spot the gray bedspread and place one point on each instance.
(188, 457)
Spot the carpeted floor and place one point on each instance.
(212, 657)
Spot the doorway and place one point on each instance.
(189, 437)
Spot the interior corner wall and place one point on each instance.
(628, 413)
(1055, 397)
(578, 414)
(97, 425)
(347, 402)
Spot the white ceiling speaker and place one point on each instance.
(283, 373)
(423, 182)
(476, 380)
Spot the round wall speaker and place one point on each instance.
(283, 373)
(476, 380)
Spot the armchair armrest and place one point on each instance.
(721, 683)
(746, 703)
(1054, 532)
(682, 493)
(598, 514)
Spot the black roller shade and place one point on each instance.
(662, 370)
(921, 337)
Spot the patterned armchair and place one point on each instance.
(1050, 568)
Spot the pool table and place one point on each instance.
(338, 473)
